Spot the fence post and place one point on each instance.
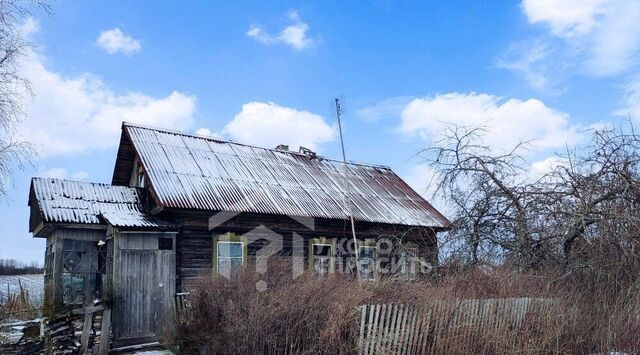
(362, 322)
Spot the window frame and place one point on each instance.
(409, 270)
(373, 262)
(219, 258)
(331, 257)
(90, 269)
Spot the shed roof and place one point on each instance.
(203, 173)
(65, 201)
(134, 219)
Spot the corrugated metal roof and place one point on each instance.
(135, 219)
(65, 201)
(197, 172)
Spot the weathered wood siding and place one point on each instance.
(143, 286)
(195, 240)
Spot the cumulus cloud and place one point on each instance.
(268, 124)
(615, 45)
(508, 121)
(74, 114)
(114, 41)
(294, 35)
(602, 34)
(539, 168)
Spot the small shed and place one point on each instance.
(102, 245)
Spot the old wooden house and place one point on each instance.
(181, 205)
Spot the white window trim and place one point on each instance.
(331, 255)
(218, 257)
(375, 251)
(406, 271)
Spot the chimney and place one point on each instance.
(308, 152)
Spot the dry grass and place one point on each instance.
(18, 306)
(318, 315)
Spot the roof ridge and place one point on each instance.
(81, 182)
(223, 140)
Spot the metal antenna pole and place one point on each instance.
(347, 188)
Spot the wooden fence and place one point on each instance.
(433, 328)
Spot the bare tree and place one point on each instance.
(582, 213)
(14, 153)
(592, 197)
(488, 193)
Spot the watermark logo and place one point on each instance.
(384, 257)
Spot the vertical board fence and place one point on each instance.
(443, 327)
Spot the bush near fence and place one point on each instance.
(322, 315)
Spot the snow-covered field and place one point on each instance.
(34, 284)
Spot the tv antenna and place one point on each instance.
(347, 186)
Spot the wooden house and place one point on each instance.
(181, 205)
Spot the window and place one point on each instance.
(165, 244)
(367, 261)
(230, 257)
(322, 258)
(83, 267)
(141, 178)
(409, 263)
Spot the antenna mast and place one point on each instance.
(347, 195)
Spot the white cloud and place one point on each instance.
(294, 35)
(424, 180)
(631, 101)
(387, 108)
(565, 17)
(539, 168)
(62, 173)
(29, 27)
(528, 59)
(615, 44)
(114, 41)
(602, 34)
(74, 114)
(508, 122)
(267, 124)
(207, 132)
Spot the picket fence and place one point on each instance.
(432, 328)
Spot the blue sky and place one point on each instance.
(266, 73)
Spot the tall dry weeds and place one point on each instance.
(317, 315)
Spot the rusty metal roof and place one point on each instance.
(203, 173)
(65, 201)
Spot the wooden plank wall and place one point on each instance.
(433, 328)
(194, 249)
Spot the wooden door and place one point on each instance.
(135, 306)
(144, 287)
